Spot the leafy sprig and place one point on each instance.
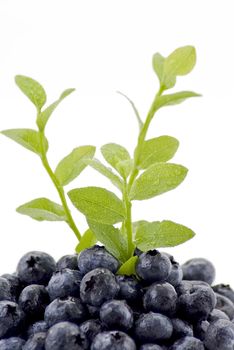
(146, 174)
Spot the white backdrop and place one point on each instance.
(99, 47)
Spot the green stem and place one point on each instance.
(128, 221)
(59, 188)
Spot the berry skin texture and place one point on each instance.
(151, 347)
(64, 283)
(220, 335)
(97, 256)
(64, 309)
(98, 286)
(161, 298)
(67, 262)
(199, 269)
(200, 329)
(5, 289)
(36, 342)
(64, 336)
(176, 274)
(153, 266)
(113, 340)
(116, 314)
(36, 268)
(225, 290)
(91, 328)
(37, 327)
(181, 328)
(33, 301)
(224, 304)
(15, 284)
(217, 314)
(13, 343)
(152, 327)
(130, 289)
(188, 343)
(11, 319)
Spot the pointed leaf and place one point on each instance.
(43, 209)
(114, 153)
(87, 240)
(129, 267)
(158, 65)
(175, 99)
(161, 234)
(102, 169)
(32, 89)
(159, 178)
(73, 164)
(98, 204)
(27, 138)
(158, 149)
(44, 116)
(112, 238)
(140, 122)
(124, 167)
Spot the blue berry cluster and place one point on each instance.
(81, 302)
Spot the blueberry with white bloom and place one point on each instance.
(199, 269)
(113, 340)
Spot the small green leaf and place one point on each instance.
(159, 178)
(98, 204)
(73, 164)
(140, 122)
(175, 99)
(44, 116)
(158, 149)
(161, 234)
(136, 224)
(87, 240)
(129, 267)
(124, 168)
(27, 138)
(102, 169)
(32, 89)
(158, 65)
(114, 153)
(43, 209)
(112, 239)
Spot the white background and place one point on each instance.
(99, 47)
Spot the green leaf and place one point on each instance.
(161, 234)
(114, 153)
(179, 62)
(32, 89)
(87, 240)
(158, 65)
(44, 116)
(102, 169)
(158, 149)
(27, 138)
(140, 122)
(175, 99)
(98, 204)
(159, 178)
(124, 167)
(73, 164)
(43, 209)
(112, 239)
(129, 267)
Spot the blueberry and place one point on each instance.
(217, 314)
(116, 314)
(225, 290)
(185, 286)
(98, 286)
(153, 266)
(181, 328)
(5, 289)
(65, 309)
(176, 274)
(224, 304)
(188, 343)
(36, 267)
(220, 335)
(64, 283)
(150, 347)
(37, 327)
(152, 327)
(13, 343)
(199, 269)
(36, 342)
(91, 328)
(200, 329)
(196, 303)
(113, 340)
(33, 301)
(11, 319)
(160, 297)
(67, 262)
(16, 285)
(97, 256)
(64, 336)
(130, 288)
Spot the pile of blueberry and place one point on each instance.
(81, 303)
